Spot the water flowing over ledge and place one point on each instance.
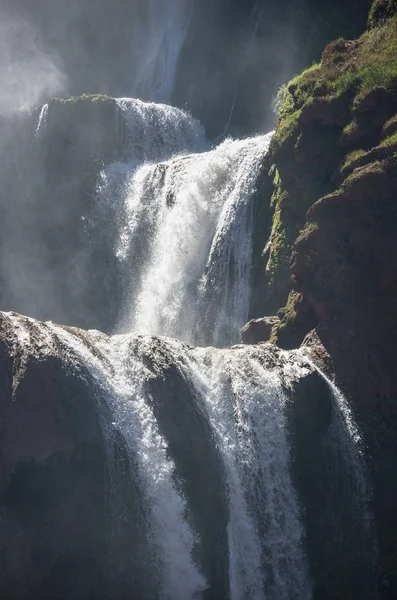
(186, 225)
(218, 421)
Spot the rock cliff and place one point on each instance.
(331, 257)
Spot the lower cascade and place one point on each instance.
(228, 470)
(210, 444)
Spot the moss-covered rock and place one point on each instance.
(335, 118)
(295, 319)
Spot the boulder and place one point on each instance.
(258, 330)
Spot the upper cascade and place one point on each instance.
(156, 132)
(186, 230)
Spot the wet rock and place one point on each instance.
(341, 563)
(258, 330)
(54, 513)
(296, 319)
(315, 350)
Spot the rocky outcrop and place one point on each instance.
(333, 240)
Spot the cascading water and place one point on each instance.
(186, 243)
(157, 43)
(157, 131)
(236, 404)
(246, 406)
(186, 222)
(199, 249)
(185, 217)
(42, 122)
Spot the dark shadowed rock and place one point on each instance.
(316, 352)
(55, 534)
(258, 330)
(339, 548)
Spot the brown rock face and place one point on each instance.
(258, 330)
(346, 268)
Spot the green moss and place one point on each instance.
(289, 102)
(365, 79)
(288, 313)
(389, 141)
(287, 316)
(301, 88)
(287, 128)
(352, 157)
(280, 247)
(85, 98)
(346, 68)
(391, 123)
(308, 229)
(372, 64)
(377, 166)
(350, 128)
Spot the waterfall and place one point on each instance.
(208, 419)
(187, 225)
(42, 121)
(155, 132)
(246, 405)
(241, 393)
(186, 221)
(207, 428)
(157, 42)
(123, 376)
(195, 283)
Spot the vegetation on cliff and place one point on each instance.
(86, 98)
(337, 123)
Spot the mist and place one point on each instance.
(28, 75)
